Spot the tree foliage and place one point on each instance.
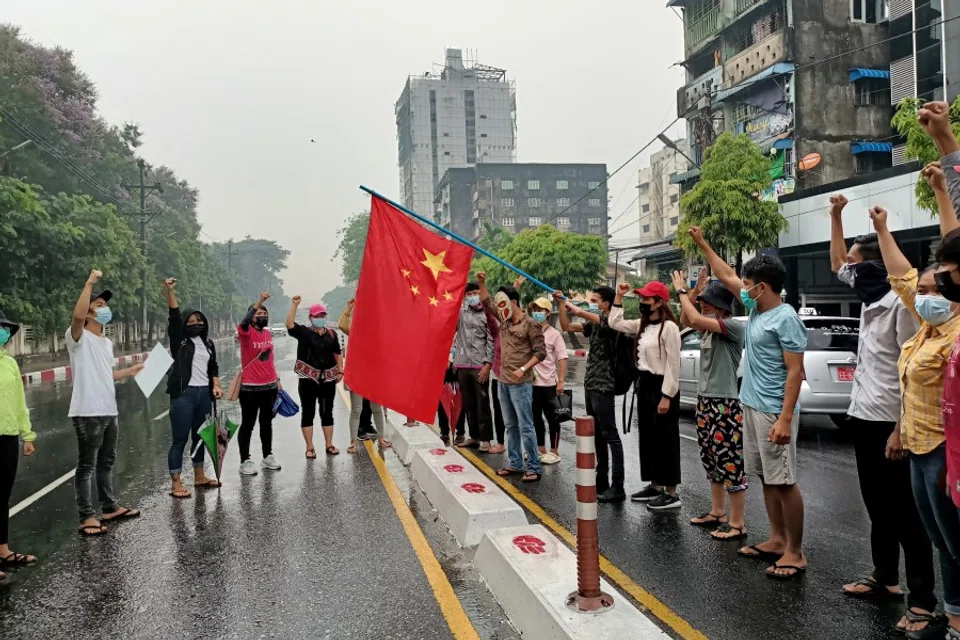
(567, 261)
(920, 145)
(725, 202)
(336, 300)
(352, 241)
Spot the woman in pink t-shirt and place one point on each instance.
(259, 385)
(549, 383)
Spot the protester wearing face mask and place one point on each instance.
(872, 418)
(923, 371)
(14, 427)
(319, 367)
(472, 362)
(93, 407)
(259, 385)
(549, 382)
(193, 385)
(658, 392)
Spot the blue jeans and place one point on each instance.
(940, 518)
(516, 401)
(187, 414)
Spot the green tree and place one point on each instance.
(920, 145)
(725, 202)
(352, 241)
(494, 239)
(567, 261)
(336, 300)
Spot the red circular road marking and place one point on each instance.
(530, 544)
(438, 452)
(474, 487)
(453, 468)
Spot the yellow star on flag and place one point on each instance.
(405, 272)
(434, 262)
(447, 296)
(415, 289)
(434, 301)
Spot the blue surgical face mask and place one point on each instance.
(594, 307)
(749, 303)
(935, 310)
(473, 300)
(104, 315)
(318, 323)
(4, 335)
(539, 316)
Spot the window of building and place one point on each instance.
(506, 185)
(593, 221)
(507, 202)
(509, 222)
(533, 202)
(870, 162)
(446, 153)
(563, 221)
(593, 184)
(674, 221)
(536, 221)
(645, 208)
(533, 184)
(483, 135)
(646, 228)
(870, 11)
(563, 184)
(563, 202)
(446, 135)
(594, 202)
(871, 91)
(483, 117)
(674, 198)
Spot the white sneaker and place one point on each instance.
(549, 458)
(270, 463)
(247, 468)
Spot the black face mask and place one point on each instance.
(195, 330)
(946, 286)
(870, 280)
(646, 308)
(261, 322)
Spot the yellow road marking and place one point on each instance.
(450, 607)
(615, 575)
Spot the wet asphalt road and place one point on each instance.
(313, 551)
(316, 550)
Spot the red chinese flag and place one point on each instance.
(408, 302)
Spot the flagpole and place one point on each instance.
(458, 238)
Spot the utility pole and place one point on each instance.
(144, 189)
(230, 275)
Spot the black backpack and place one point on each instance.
(625, 370)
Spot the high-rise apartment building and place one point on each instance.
(457, 116)
(658, 195)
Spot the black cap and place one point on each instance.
(719, 296)
(104, 295)
(13, 326)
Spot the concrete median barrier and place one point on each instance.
(531, 573)
(407, 441)
(467, 501)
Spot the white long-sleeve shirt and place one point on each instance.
(658, 350)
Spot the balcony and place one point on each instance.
(701, 87)
(741, 6)
(755, 59)
(703, 28)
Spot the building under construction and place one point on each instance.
(455, 116)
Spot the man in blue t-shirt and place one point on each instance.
(773, 371)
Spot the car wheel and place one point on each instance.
(840, 419)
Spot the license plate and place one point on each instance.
(845, 374)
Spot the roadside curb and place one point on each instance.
(57, 374)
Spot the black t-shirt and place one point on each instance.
(600, 376)
(316, 349)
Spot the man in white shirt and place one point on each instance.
(93, 406)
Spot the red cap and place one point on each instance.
(654, 289)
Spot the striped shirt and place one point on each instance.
(922, 368)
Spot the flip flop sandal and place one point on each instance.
(934, 628)
(507, 471)
(183, 494)
(91, 530)
(703, 522)
(122, 514)
(875, 591)
(727, 528)
(797, 572)
(311, 454)
(352, 449)
(332, 451)
(209, 484)
(531, 477)
(17, 560)
(760, 554)
(384, 444)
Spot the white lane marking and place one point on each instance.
(39, 494)
(162, 415)
(683, 435)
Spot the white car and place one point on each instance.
(278, 330)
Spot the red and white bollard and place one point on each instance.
(587, 598)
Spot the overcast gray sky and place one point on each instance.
(230, 93)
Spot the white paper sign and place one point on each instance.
(156, 367)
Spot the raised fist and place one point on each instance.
(95, 276)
